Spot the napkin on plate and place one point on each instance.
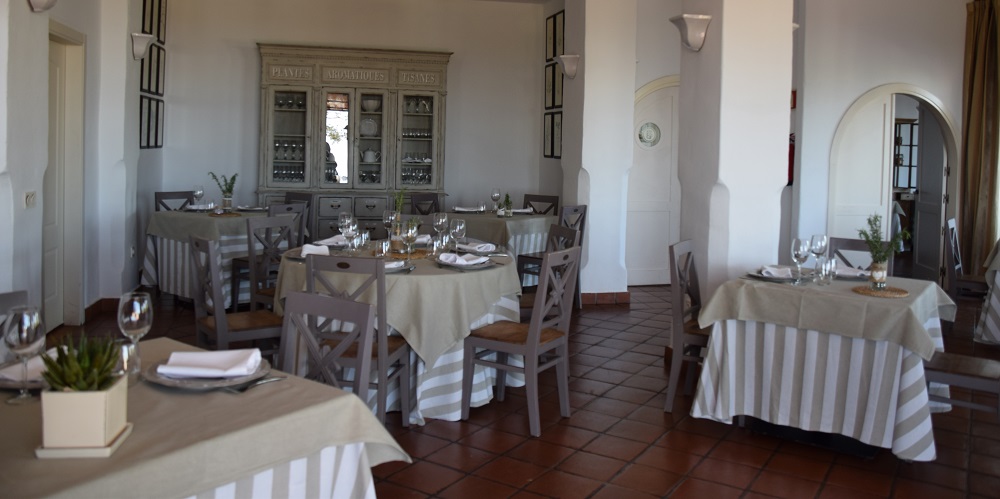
(478, 247)
(221, 364)
(338, 240)
(848, 271)
(474, 209)
(35, 368)
(312, 249)
(469, 259)
(522, 211)
(776, 271)
(197, 207)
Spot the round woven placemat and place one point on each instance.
(230, 214)
(888, 292)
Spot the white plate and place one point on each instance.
(369, 128)
(755, 274)
(403, 268)
(479, 266)
(251, 208)
(203, 383)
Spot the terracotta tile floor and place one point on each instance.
(620, 443)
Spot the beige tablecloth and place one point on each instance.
(184, 443)
(836, 309)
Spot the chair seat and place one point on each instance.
(267, 292)
(243, 321)
(964, 365)
(691, 326)
(515, 333)
(395, 344)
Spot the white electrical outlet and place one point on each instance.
(29, 199)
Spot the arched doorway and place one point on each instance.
(862, 161)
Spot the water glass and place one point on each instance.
(817, 245)
(827, 270)
(381, 248)
(135, 318)
(800, 254)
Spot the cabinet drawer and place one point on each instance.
(369, 207)
(328, 227)
(332, 206)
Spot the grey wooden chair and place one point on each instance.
(574, 217)
(212, 323)
(542, 204)
(391, 352)
(838, 246)
(337, 333)
(424, 203)
(173, 200)
(240, 265)
(542, 342)
(267, 239)
(306, 199)
(959, 284)
(686, 337)
(972, 373)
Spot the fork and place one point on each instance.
(247, 386)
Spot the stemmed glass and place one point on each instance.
(817, 245)
(388, 216)
(135, 317)
(440, 224)
(24, 333)
(457, 230)
(495, 196)
(348, 227)
(410, 237)
(800, 254)
(199, 192)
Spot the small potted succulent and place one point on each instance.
(87, 401)
(226, 186)
(879, 250)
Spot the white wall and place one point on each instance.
(658, 42)
(852, 46)
(494, 83)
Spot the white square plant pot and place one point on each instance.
(84, 419)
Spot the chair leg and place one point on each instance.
(677, 358)
(382, 390)
(501, 386)
(467, 372)
(562, 380)
(404, 391)
(531, 388)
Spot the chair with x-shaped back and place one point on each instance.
(571, 216)
(363, 279)
(424, 203)
(267, 239)
(542, 204)
(686, 338)
(240, 265)
(173, 200)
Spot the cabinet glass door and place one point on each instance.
(289, 152)
(337, 140)
(371, 126)
(417, 152)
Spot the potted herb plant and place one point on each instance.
(879, 250)
(226, 186)
(87, 401)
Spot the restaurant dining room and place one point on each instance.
(499, 248)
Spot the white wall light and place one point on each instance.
(41, 5)
(569, 64)
(140, 45)
(693, 28)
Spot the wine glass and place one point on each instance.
(457, 230)
(495, 196)
(135, 317)
(440, 223)
(199, 192)
(410, 237)
(388, 216)
(800, 253)
(24, 334)
(817, 245)
(347, 225)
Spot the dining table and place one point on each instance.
(521, 233)
(167, 259)
(836, 359)
(434, 307)
(296, 438)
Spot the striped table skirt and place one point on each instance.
(167, 265)
(334, 472)
(872, 391)
(988, 327)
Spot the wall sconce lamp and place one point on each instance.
(140, 45)
(692, 28)
(569, 64)
(41, 5)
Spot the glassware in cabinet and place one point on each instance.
(371, 127)
(418, 152)
(289, 154)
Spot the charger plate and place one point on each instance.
(200, 384)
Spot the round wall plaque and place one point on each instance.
(649, 134)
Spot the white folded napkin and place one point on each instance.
(394, 264)
(338, 240)
(522, 211)
(776, 271)
(222, 364)
(312, 249)
(197, 207)
(473, 209)
(35, 368)
(847, 271)
(469, 259)
(478, 247)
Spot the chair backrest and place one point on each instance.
(267, 239)
(424, 203)
(542, 204)
(306, 199)
(574, 217)
(560, 238)
(837, 246)
(298, 212)
(206, 275)
(553, 307)
(163, 200)
(952, 258)
(328, 326)
(360, 279)
(685, 294)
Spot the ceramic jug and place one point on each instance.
(370, 156)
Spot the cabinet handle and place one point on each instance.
(334, 205)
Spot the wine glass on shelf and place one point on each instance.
(135, 318)
(818, 245)
(24, 334)
(457, 230)
(440, 224)
(800, 254)
(410, 237)
(495, 196)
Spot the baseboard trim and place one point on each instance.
(593, 299)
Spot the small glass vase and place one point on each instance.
(508, 211)
(878, 275)
(227, 204)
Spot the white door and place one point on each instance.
(653, 214)
(861, 168)
(52, 196)
(929, 205)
